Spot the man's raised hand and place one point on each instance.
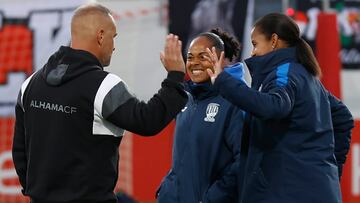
(171, 57)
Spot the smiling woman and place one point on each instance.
(197, 63)
(206, 153)
(197, 57)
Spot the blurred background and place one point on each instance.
(31, 30)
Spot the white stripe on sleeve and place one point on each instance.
(100, 125)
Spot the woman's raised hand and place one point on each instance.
(218, 63)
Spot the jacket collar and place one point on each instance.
(268, 62)
(261, 66)
(200, 91)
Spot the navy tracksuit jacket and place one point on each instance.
(291, 145)
(206, 150)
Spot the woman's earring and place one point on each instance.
(273, 47)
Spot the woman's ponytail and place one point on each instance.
(306, 57)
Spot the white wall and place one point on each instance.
(141, 34)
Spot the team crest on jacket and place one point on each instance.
(211, 111)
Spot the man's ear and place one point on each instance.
(100, 37)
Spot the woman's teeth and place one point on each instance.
(197, 72)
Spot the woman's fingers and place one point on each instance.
(216, 61)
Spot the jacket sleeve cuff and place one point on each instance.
(176, 76)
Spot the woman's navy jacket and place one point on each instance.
(299, 133)
(206, 150)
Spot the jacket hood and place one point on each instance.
(236, 70)
(67, 64)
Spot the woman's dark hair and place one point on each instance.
(288, 31)
(223, 41)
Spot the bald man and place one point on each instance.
(71, 114)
